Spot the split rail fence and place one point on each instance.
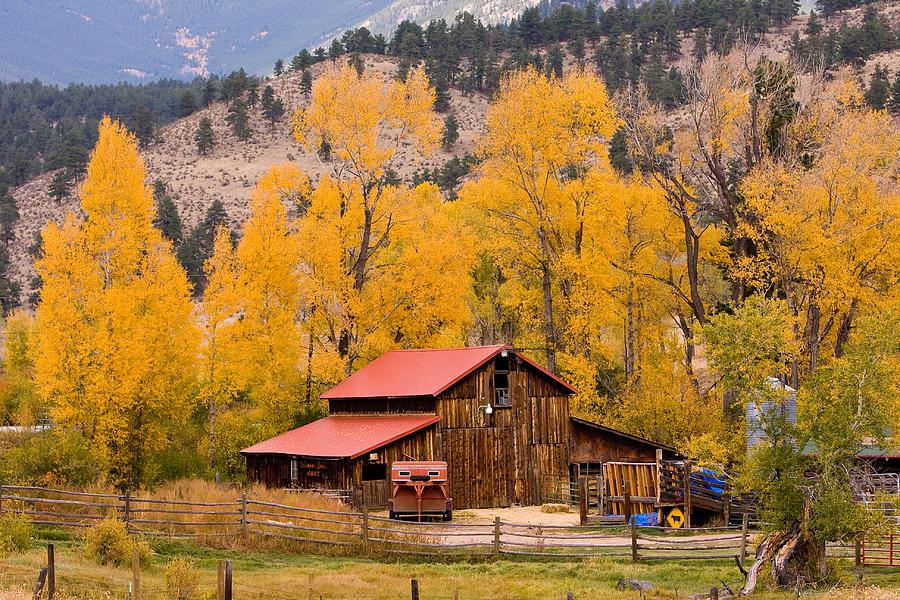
(361, 532)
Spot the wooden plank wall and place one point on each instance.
(500, 459)
(641, 479)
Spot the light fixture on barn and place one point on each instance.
(504, 353)
(488, 409)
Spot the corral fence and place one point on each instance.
(361, 532)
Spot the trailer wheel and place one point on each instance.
(392, 514)
(448, 514)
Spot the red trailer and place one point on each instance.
(420, 488)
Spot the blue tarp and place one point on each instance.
(643, 519)
(711, 481)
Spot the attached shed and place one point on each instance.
(499, 420)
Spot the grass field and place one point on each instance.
(259, 574)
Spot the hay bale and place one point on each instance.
(555, 508)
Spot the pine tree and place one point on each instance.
(356, 62)
(700, 44)
(894, 102)
(555, 61)
(167, 219)
(879, 90)
(239, 120)
(142, 126)
(61, 186)
(187, 104)
(306, 83)
(198, 245)
(273, 111)
(451, 132)
(210, 91)
(279, 68)
(204, 136)
(9, 215)
(252, 91)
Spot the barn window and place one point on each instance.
(501, 388)
(374, 472)
(295, 471)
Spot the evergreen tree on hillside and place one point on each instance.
(198, 245)
(9, 215)
(234, 85)
(142, 126)
(356, 62)
(879, 89)
(302, 61)
(252, 91)
(451, 132)
(60, 186)
(187, 104)
(210, 92)
(555, 59)
(272, 108)
(167, 219)
(204, 136)
(306, 83)
(279, 68)
(239, 120)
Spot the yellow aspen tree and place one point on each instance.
(267, 338)
(544, 137)
(117, 345)
(219, 309)
(19, 402)
(380, 262)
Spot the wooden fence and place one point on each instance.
(246, 516)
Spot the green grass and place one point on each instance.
(262, 574)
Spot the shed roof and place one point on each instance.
(343, 436)
(425, 372)
(622, 434)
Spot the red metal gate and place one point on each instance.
(884, 552)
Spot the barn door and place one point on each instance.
(478, 459)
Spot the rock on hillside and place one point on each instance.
(230, 171)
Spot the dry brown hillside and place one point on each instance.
(230, 171)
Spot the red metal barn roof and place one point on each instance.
(409, 373)
(342, 437)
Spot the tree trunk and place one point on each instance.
(549, 329)
(843, 332)
(629, 333)
(796, 560)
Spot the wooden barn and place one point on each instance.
(500, 421)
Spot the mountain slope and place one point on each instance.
(489, 12)
(104, 41)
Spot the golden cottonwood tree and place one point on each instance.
(384, 265)
(117, 345)
(543, 148)
(827, 222)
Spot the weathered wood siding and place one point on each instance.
(274, 470)
(381, 406)
(592, 445)
(499, 459)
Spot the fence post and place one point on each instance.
(626, 500)
(414, 588)
(687, 493)
(39, 584)
(310, 579)
(714, 593)
(496, 535)
(243, 514)
(135, 574)
(745, 521)
(582, 500)
(51, 573)
(658, 482)
(570, 596)
(127, 509)
(634, 542)
(1, 498)
(220, 580)
(228, 572)
(455, 594)
(857, 551)
(600, 493)
(365, 524)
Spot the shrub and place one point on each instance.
(51, 458)
(182, 579)
(15, 532)
(108, 542)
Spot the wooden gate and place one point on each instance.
(372, 494)
(641, 478)
(884, 552)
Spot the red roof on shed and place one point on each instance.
(427, 372)
(342, 437)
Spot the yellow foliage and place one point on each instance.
(116, 344)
